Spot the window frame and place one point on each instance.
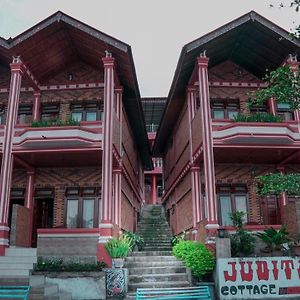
(26, 112)
(283, 112)
(233, 192)
(80, 197)
(85, 107)
(224, 105)
(50, 112)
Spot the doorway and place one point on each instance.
(43, 212)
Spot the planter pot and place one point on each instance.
(117, 263)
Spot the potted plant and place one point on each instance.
(136, 241)
(274, 239)
(118, 249)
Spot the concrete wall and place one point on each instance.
(72, 248)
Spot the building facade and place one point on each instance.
(73, 139)
(211, 161)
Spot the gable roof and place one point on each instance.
(59, 40)
(251, 41)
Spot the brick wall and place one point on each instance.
(59, 179)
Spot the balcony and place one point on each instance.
(243, 133)
(87, 134)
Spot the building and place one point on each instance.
(210, 161)
(154, 184)
(73, 139)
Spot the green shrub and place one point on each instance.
(242, 242)
(177, 238)
(118, 247)
(49, 123)
(195, 256)
(274, 239)
(135, 240)
(258, 117)
(58, 265)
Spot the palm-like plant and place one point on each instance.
(274, 239)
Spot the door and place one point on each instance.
(271, 210)
(42, 216)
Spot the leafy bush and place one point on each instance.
(274, 184)
(177, 238)
(195, 256)
(118, 248)
(242, 242)
(274, 239)
(49, 123)
(258, 117)
(58, 265)
(283, 85)
(135, 240)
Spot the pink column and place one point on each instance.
(119, 110)
(153, 190)
(191, 101)
(17, 70)
(36, 106)
(29, 200)
(117, 175)
(208, 155)
(106, 226)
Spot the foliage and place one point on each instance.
(258, 117)
(177, 238)
(242, 242)
(135, 240)
(195, 256)
(283, 85)
(274, 239)
(118, 247)
(275, 183)
(49, 123)
(58, 265)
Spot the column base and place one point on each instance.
(211, 233)
(194, 234)
(4, 241)
(102, 255)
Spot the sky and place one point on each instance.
(156, 30)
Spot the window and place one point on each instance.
(271, 210)
(88, 111)
(224, 109)
(284, 111)
(24, 114)
(81, 207)
(231, 199)
(259, 109)
(50, 111)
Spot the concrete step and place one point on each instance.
(163, 284)
(15, 266)
(19, 251)
(148, 264)
(158, 277)
(150, 248)
(150, 258)
(157, 270)
(14, 280)
(18, 259)
(150, 253)
(14, 272)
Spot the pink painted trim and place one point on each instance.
(67, 230)
(252, 227)
(83, 149)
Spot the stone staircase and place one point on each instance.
(15, 269)
(154, 267)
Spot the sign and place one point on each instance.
(258, 277)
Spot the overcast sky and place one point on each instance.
(155, 29)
